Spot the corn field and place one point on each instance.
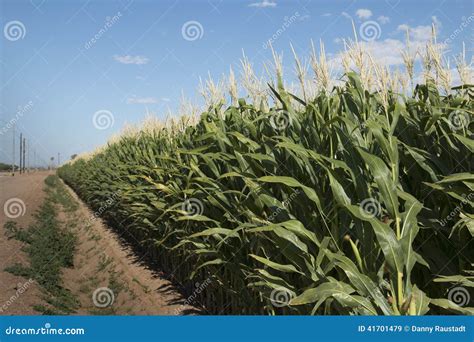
(351, 198)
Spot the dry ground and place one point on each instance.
(29, 189)
(102, 260)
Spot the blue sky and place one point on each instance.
(61, 62)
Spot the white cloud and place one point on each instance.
(403, 27)
(141, 100)
(364, 13)
(165, 99)
(138, 60)
(388, 52)
(326, 15)
(263, 4)
(421, 33)
(304, 17)
(383, 19)
(346, 15)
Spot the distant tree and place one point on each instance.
(6, 167)
(73, 156)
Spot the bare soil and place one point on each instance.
(29, 189)
(104, 265)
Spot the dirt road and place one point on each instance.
(20, 197)
(107, 277)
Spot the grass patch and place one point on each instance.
(50, 248)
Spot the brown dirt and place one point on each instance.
(101, 260)
(29, 189)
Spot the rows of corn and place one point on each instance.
(350, 202)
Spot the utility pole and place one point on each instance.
(34, 159)
(59, 160)
(21, 149)
(24, 153)
(13, 152)
(28, 158)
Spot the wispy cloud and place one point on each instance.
(138, 60)
(420, 33)
(304, 17)
(346, 15)
(263, 4)
(141, 100)
(326, 15)
(383, 19)
(387, 52)
(363, 13)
